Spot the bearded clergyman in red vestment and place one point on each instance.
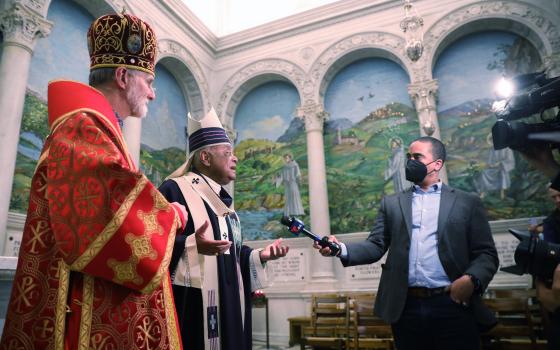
(93, 263)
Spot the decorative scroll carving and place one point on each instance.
(314, 116)
(515, 11)
(281, 67)
(195, 85)
(22, 26)
(383, 41)
(424, 95)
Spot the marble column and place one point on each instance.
(423, 93)
(21, 27)
(314, 117)
(132, 132)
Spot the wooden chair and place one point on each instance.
(368, 330)
(518, 321)
(329, 322)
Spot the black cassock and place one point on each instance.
(188, 301)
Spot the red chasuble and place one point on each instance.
(93, 263)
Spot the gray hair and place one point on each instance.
(101, 76)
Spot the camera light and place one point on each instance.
(499, 106)
(504, 88)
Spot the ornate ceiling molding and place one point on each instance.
(195, 85)
(387, 45)
(526, 14)
(268, 67)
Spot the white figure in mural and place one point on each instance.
(290, 177)
(496, 176)
(396, 165)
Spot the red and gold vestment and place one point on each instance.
(93, 264)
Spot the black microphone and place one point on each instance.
(297, 226)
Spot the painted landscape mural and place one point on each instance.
(371, 123)
(507, 185)
(164, 140)
(51, 60)
(270, 139)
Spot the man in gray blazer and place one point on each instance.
(441, 258)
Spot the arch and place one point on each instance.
(349, 50)
(96, 8)
(522, 19)
(180, 62)
(251, 76)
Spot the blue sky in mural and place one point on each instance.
(165, 124)
(266, 111)
(364, 86)
(63, 54)
(469, 56)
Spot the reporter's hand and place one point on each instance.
(326, 251)
(461, 290)
(274, 251)
(207, 246)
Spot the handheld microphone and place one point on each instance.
(297, 226)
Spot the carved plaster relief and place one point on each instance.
(195, 85)
(22, 26)
(227, 103)
(392, 44)
(533, 17)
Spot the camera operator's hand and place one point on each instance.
(550, 297)
(542, 159)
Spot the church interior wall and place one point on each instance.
(301, 59)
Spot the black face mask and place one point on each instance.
(416, 171)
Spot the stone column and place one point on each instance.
(132, 132)
(423, 94)
(314, 117)
(20, 27)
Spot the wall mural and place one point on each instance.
(371, 122)
(504, 181)
(163, 145)
(61, 55)
(272, 169)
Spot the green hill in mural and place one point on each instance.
(466, 129)
(34, 129)
(158, 164)
(356, 159)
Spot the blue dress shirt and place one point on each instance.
(424, 266)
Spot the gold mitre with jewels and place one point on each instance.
(122, 40)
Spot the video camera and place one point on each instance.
(534, 256)
(540, 93)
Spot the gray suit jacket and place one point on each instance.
(465, 245)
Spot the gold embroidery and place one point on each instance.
(95, 247)
(60, 312)
(88, 195)
(160, 202)
(151, 224)
(25, 292)
(162, 270)
(141, 246)
(173, 333)
(147, 333)
(85, 321)
(37, 238)
(125, 271)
